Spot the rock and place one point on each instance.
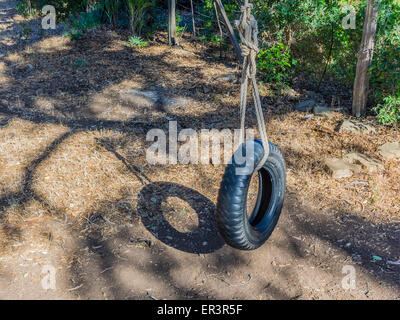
(355, 127)
(315, 96)
(140, 97)
(390, 150)
(305, 106)
(309, 116)
(291, 94)
(230, 77)
(323, 111)
(155, 98)
(171, 104)
(368, 163)
(339, 168)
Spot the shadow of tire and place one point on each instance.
(204, 239)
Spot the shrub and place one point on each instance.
(137, 14)
(63, 7)
(276, 63)
(80, 23)
(110, 9)
(389, 111)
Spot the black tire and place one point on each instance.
(235, 227)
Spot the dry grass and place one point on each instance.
(74, 148)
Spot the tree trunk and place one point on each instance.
(193, 22)
(220, 30)
(171, 23)
(361, 82)
(29, 6)
(231, 33)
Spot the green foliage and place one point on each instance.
(73, 34)
(385, 69)
(137, 14)
(22, 9)
(136, 41)
(63, 7)
(276, 63)
(82, 22)
(389, 111)
(86, 20)
(110, 9)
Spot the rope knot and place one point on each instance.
(246, 7)
(248, 32)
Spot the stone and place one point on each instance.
(305, 106)
(368, 163)
(308, 116)
(140, 97)
(171, 104)
(291, 94)
(155, 99)
(339, 168)
(323, 111)
(390, 150)
(230, 77)
(355, 127)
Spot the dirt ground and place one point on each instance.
(80, 204)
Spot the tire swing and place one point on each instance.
(264, 159)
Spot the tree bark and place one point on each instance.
(361, 82)
(171, 23)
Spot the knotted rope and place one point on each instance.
(248, 32)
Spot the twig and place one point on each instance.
(151, 297)
(232, 284)
(220, 30)
(76, 288)
(106, 269)
(329, 55)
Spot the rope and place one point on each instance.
(248, 32)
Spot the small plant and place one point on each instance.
(80, 63)
(73, 34)
(136, 41)
(389, 111)
(275, 63)
(26, 30)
